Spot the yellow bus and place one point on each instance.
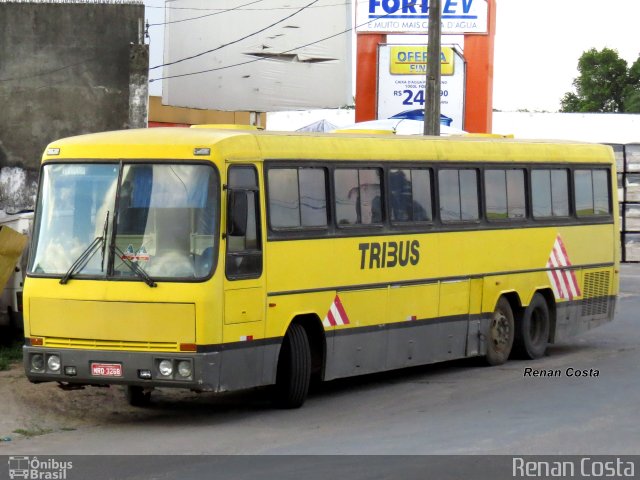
(219, 260)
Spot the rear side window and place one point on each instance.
(410, 199)
(357, 196)
(550, 193)
(458, 194)
(505, 194)
(297, 197)
(592, 192)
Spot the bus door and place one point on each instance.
(244, 293)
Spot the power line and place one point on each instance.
(151, 80)
(236, 41)
(227, 10)
(217, 12)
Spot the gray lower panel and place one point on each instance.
(574, 319)
(217, 371)
(397, 346)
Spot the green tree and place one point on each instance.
(604, 84)
(631, 95)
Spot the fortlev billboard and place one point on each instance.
(412, 16)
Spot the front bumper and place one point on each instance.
(135, 366)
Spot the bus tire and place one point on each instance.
(501, 333)
(294, 369)
(532, 333)
(138, 396)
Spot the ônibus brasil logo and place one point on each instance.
(36, 469)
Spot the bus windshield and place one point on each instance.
(95, 220)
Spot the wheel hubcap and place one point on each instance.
(500, 330)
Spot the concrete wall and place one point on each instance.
(65, 69)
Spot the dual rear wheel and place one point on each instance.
(528, 337)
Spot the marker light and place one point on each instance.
(70, 371)
(53, 151)
(201, 151)
(144, 374)
(166, 368)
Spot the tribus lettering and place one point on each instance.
(389, 254)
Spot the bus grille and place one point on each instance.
(596, 293)
(110, 344)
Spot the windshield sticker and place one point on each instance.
(129, 253)
(142, 255)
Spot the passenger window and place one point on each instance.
(505, 194)
(458, 193)
(591, 192)
(244, 243)
(297, 198)
(550, 192)
(410, 199)
(357, 194)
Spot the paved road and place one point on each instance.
(454, 408)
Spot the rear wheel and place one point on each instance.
(138, 396)
(532, 333)
(294, 369)
(501, 332)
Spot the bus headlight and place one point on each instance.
(37, 362)
(53, 363)
(165, 367)
(184, 368)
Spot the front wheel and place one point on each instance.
(501, 332)
(294, 369)
(532, 333)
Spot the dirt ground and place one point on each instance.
(28, 409)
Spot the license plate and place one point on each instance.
(106, 369)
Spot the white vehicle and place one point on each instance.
(11, 295)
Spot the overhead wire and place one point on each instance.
(215, 69)
(220, 10)
(217, 12)
(235, 41)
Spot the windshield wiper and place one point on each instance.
(87, 254)
(135, 268)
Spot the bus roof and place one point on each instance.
(174, 143)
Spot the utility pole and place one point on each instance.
(432, 88)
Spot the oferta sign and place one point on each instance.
(402, 77)
(412, 60)
(412, 16)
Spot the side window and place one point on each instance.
(550, 192)
(297, 198)
(244, 243)
(410, 195)
(358, 196)
(505, 194)
(591, 192)
(458, 193)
